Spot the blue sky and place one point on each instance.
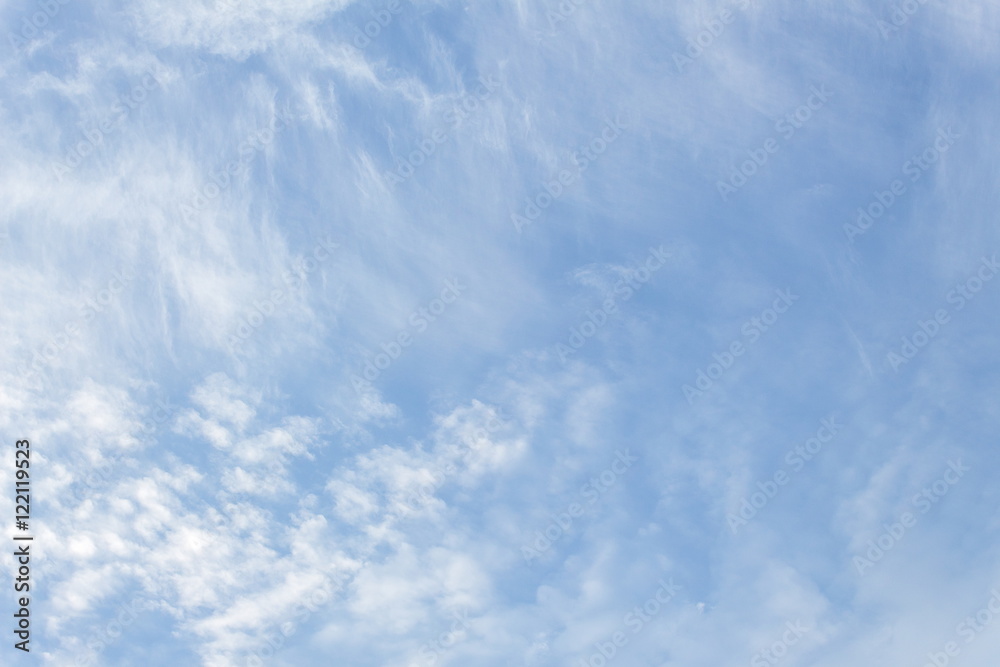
(508, 333)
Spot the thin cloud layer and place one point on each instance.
(422, 333)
